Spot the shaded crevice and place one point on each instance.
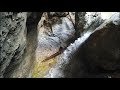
(24, 56)
(32, 38)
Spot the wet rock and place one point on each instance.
(33, 18)
(53, 34)
(23, 69)
(102, 48)
(18, 33)
(57, 14)
(12, 38)
(79, 23)
(85, 21)
(68, 64)
(94, 55)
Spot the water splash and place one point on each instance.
(64, 59)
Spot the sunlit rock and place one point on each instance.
(53, 33)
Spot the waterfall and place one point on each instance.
(64, 59)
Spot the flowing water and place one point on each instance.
(64, 59)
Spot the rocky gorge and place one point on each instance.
(59, 44)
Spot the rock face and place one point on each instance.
(17, 42)
(24, 68)
(101, 51)
(94, 55)
(12, 40)
(55, 33)
(79, 23)
(85, 21)
(37, 44)
(19, 39)
(68, 64)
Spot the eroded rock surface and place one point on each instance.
(18, 33)
(30, 49)
(55, 33)
(102, 48)
(12, 39)
(85, 21)
(94, 55)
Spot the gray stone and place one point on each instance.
(12, 27)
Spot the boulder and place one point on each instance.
(102, 48)
(94, 55)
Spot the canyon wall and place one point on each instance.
(59, 45)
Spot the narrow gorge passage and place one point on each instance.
(60, 45)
